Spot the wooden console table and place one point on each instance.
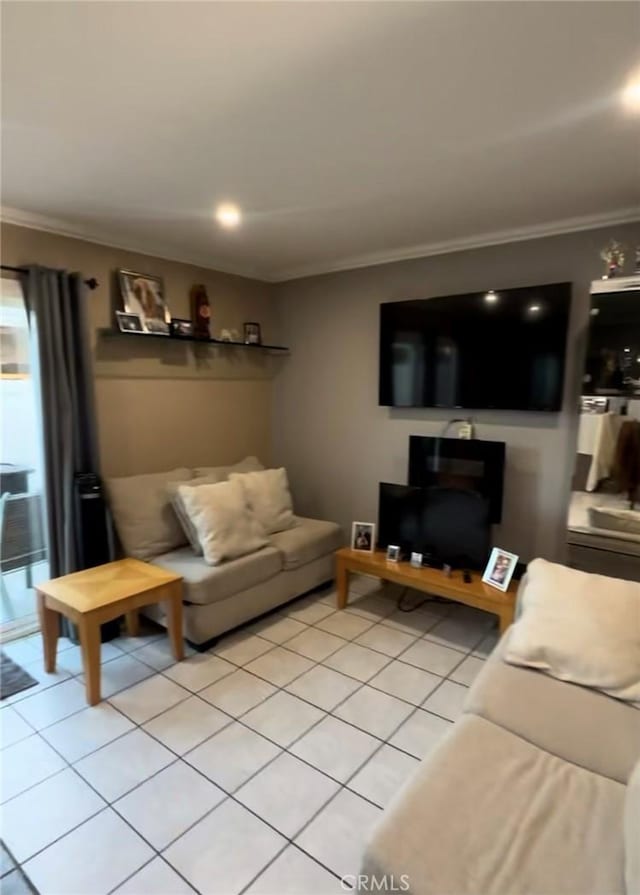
(431, 581)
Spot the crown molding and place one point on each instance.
(466, 243)
(33, 221)
(500, 237)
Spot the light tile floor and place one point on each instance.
(258, 767)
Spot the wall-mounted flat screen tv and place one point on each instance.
(502, 349)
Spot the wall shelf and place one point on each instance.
(117, 333)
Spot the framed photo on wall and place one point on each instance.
(500, 568)
(143, 294)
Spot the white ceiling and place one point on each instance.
(348, 133)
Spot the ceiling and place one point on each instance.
(348, 133)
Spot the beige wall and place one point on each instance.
(165, 404)
(338, 443)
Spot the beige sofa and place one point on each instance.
(218, 598)
(526, 794)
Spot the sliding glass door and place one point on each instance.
(23, 554)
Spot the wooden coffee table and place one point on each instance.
(431, 581)
(95, 596)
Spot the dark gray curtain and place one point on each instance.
(56, 306)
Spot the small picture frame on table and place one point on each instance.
(181, 328)
(129, 323)
(500, 568)
(393, 553)
(363, 536)
(252, 334)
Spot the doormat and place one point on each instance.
(13, 679)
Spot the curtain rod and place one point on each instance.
(92, 283)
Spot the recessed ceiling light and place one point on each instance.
(228, 215)
(533, 309)
(631, 95)
(490, 297)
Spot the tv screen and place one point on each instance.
(501, 350)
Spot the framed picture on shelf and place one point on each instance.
(363, 536)
(500, 568)
(252, 334)
(181, 329)
(393, 553)
(129, 323)
(143, 294)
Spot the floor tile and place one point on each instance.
(118, 674)
(71, 660)
(159, 653)
(52, 705)
(373, 711)
(309, 611)
(467, 671)
(315, 644)
(385, 640)
(294, 873)
(23, 651)
(15, 883)
(155, 878)
(384, 775)
(232, 756)
(112, 851)
(278, 629)
(282, 718)
(238, 692)
(13, 727)
(34, 819)
(361, 585)
(357, 661)
(345, 624)
(432, 657)
(230, 846)
(26, 763)
(163, 807)
(45, 681)
(420, 733)
(86, 731)
(149, 698)
(335, 748)
(6, 861)
(199, 671)
(187, 724)
(417, 622)
(447, 700)
(323, 687)
(280, 666)
(128, 644)
(406, 682)
(373, 606)
(117, 768)
(287, 793)
(460, 633)
(487, 645)
(337, 836)
(242, 648)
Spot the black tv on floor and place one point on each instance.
(499, 349)
(446, 525)
(469, 464)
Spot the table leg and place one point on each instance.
(133, 623)
(174, 621)
(342, 583)
(50, 626)
(90, 643)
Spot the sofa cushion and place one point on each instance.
(268, 497)
(307, 540)
(221, 473)
(572, 722)
(203, 583)
(225, 528)
(632, 832)
(487, 812)
(581, 628)
(142, 512)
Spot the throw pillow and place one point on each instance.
(144, 519)
(224, 526)
(268, 497)
(579, 627)
(178, 506)
(249, 464)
